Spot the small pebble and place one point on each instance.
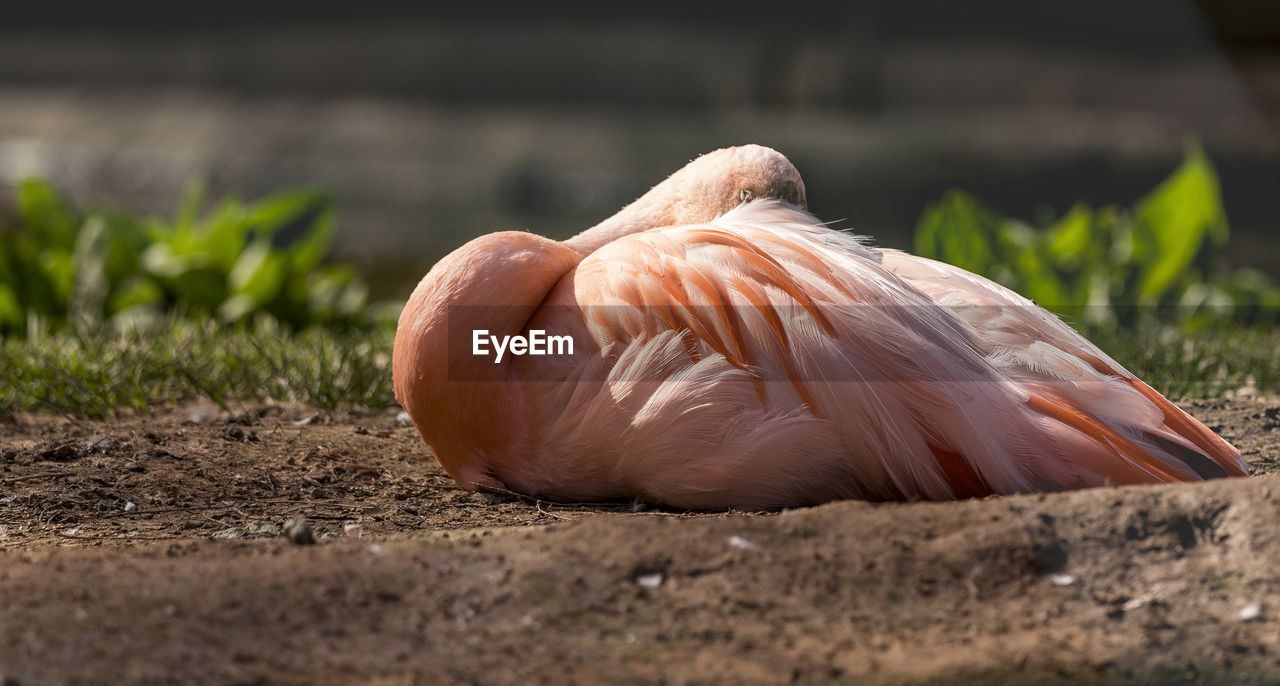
(650, 580)
(1250, 612)
(352, 529)
(98, 442)
(300, 532)
(130, 506)
(1062, 579)
(740, 543)
(1135, 603)
(202, 412)
(403, 418)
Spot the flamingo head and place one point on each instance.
(721, 180)
(702, 190)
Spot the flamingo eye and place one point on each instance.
(746, 194)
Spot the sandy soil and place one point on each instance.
(147, 549)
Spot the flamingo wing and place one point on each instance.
(1030, 344)
(728, 343)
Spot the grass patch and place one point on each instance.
(92, 376)
(1198, 364)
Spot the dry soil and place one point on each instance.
(147, 549)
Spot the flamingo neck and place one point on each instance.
(650, 211)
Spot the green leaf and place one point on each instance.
(1039, 282)
(225, 233)
(199, 290)
(127, 238)
(8, 276)
(259, 273)
(1108, 266)
(192, 199)
(35, 290)
(191, 279)
(309, 249)
(1069, 237)
(245, 262)
(287, 208)
(334, 292)
(134, 292)
(46, 215)
(959, 230)
(236, 308)
(59, 270)
(1253, 295)
(160, 259)
(353, 299)
(1172, 223)
(11, 315)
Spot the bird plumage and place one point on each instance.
(757, 358)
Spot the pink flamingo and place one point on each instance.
(731, 351)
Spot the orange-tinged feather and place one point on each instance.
(1213, 447)
(773, 273)
(1106, 436)
(1210, 445)
(964, 481)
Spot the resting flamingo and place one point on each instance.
(732, 351)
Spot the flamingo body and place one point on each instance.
(756, 358)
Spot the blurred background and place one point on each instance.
(431, 128)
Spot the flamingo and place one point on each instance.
(730, 351)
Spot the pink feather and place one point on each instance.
(747, 356)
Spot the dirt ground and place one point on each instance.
(147, 549)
